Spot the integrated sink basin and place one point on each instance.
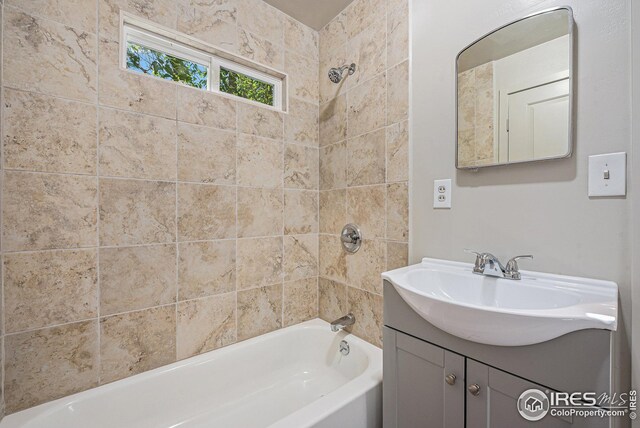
(505, 312)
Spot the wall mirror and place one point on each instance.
(514, 93)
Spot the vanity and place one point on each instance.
(461, 348)
(485, 345)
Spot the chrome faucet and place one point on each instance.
(511, 270)
(488, 264)
(343, 322)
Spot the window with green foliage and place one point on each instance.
(159, 64)
(245, 86)
(159, 56)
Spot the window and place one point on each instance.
(162, 57)
(156, 63)
(245, 86)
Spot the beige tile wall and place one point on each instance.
(476, 116)
(143, 221)
(363, 158)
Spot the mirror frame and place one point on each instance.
(571, 23)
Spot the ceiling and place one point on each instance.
(314, 13)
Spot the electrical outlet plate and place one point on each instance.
(442, 194)
(608, 175)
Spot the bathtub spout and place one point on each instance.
(343, 322)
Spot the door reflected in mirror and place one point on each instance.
(514, 92)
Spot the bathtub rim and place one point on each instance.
(365, 383)
(313, 412)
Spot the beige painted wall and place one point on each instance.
(363, 158)
(542, 208)
(144, 221)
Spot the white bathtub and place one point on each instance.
(290, 378)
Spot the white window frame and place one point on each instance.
(213, 63)
(218, 62)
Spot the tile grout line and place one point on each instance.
(152, 180)
(364, 82)
(347, 96)
(386, 122)
(284, 168)
(237, 228)
(151, 244)
(47, 327)
(98, 318)
(177, 218)
(317, 166)
(374, 130)
(317, 116)
(98, 199)
(156, 115)
(153, 115)
(115, 314)
(19, 9)
(355, 287)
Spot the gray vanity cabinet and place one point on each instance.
(418, 357)
(420, 392)
(415, 375)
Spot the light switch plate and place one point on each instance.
(442, 193)
(613, 166)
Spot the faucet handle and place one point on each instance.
(480, 260)
(466, 250)
(511, 269)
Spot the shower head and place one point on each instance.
(335, 74)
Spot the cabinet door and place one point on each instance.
(495, 405)
(416, 391)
